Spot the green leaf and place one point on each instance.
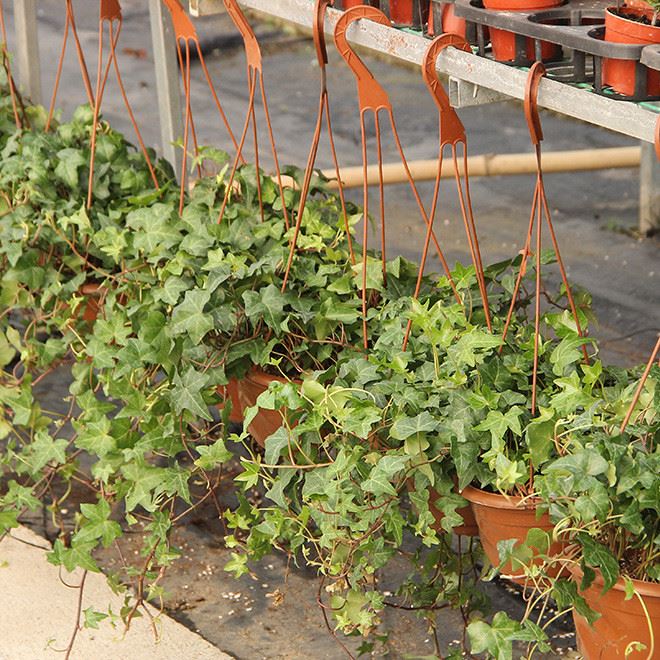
(597, 555)
(187, 393)
(93, 618)
(379, 481)
(266, 304)
(404, 427)
(210, 456)
(189, 317)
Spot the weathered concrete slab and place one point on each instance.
(39, 613)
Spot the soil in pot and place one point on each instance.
(250, 387)
(500, 518)
(630, 25)
(622, 621)
(504, 42)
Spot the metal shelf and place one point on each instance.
(479, 75)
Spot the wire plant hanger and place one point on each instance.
(70, 26)
(372, 98)
(324, 109)
(186, 40)
(452, 134)
(254, 72)
(110, 17)
(540, 209)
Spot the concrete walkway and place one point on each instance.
(38, 614)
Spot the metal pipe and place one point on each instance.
(497, 165)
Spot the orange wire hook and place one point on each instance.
(373, 98)
(452, 133)
(324, 108)
(539, 209)
(254, 70)
(70, 25)
(640, 387)
(110, 14)
(186, 34)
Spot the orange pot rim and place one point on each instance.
(521, 5)
(498, 500)
(642, 587)
(635, 31)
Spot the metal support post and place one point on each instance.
(167, 81)
(27, 48)
(649, 190)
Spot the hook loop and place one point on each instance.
(536, 72)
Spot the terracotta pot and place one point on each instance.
(504, 42)
(230, 391)
(500, 518)
(93, 294)
(250, 387)
(620, 74)
(621, 623)
(469, 526)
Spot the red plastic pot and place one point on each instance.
(451, 22)
(250, 387)
(504, 42)
(93, 294)
(348, 4)
(500, 518)
(230, 391)
(620, 74)
(469, 526)
(621, 622)
(407, 13)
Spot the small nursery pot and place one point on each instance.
(620, 28)
(622, 621)
(500, 518)
(406, 13)
(266, 422)
(504, 42)
(230, 391)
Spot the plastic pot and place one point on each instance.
(230, 391)
(266, 422)
(500, 518)
(504, 42)
(469, 526)
(406, 13)
(93, 297)
(622, 621)
(620, 74)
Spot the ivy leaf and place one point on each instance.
(210, 456)
(189, 317)
(97, 524)
(186, 394)
(93, 618)
(380, 476)
(79, 555)
(70, 161)
(498, 423)
(404, 427)
(266, 304)
(597, 555)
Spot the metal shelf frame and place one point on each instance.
(473, 80)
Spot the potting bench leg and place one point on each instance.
(649, 190)
(27, 48)
(167, 81)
